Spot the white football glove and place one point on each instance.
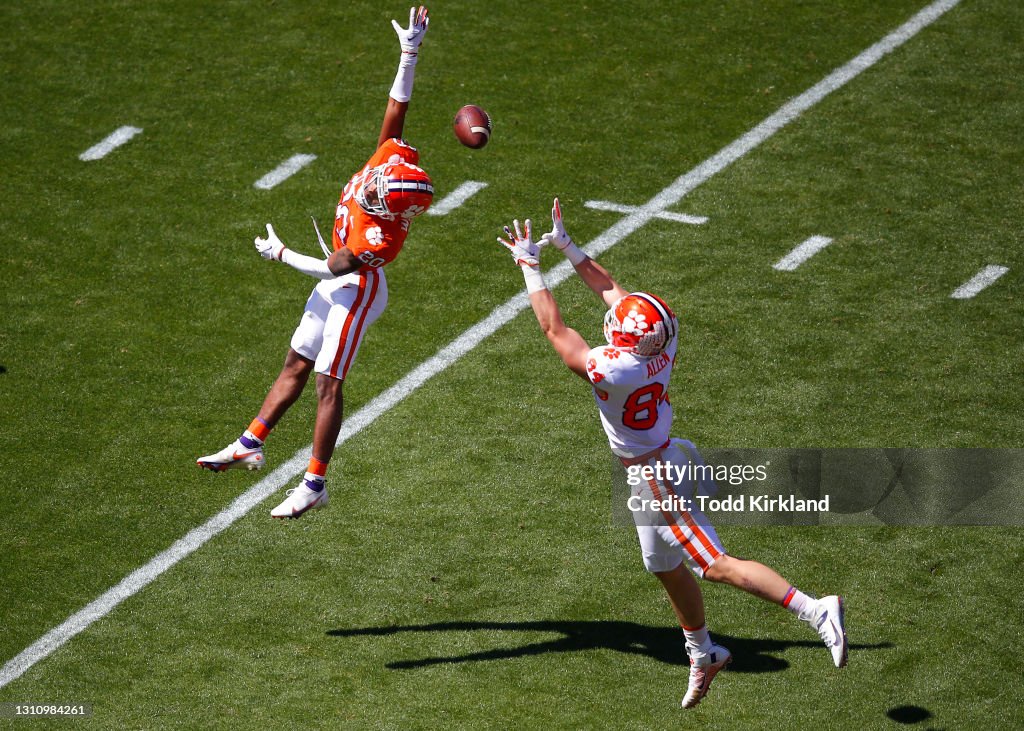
(522, 248)
(557, 236)
(270, 247)
(410, 38)
(560, 239)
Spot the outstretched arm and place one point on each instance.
(401, 91)
(569, 344)
(339, 263)
(593, 274)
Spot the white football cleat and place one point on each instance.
(702, 672)
(832, 628)
(299, 500)
(233, 456)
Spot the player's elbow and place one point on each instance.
(553, 331)
(552, 326)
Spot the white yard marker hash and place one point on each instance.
(979, 281)
(456, 198)
(143, 576)
(802, 253)
(282, 172)
(666, 215)
(110, 143)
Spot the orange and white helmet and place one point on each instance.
(641, 322)
(395, 190)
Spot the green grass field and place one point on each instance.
(467, 573)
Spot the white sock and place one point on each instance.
(803, 606)
(698, 641)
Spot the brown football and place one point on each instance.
(472, 126)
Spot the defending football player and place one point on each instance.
(371, 224)
(630, 378)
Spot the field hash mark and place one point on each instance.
(111, 142)
(282, 172)
(985, 278)
(802, 253)
(456, 198)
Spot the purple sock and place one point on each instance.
(249, 442)
(314, 485)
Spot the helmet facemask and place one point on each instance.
(611, 324)
(372, 193)
(393, 190)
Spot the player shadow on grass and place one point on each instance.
(659, 643)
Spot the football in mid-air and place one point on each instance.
(472, 126)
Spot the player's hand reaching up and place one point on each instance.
(557, 236)
(412, 37)
(522, 248)
(270, 247)
(526, 254)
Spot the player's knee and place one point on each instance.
(297, 365)
(669, 575)
(721, 571)
(328, 390)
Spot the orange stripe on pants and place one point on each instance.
(701, 536)
(677, 531)
(348, 324)
(362, 320)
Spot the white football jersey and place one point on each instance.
(632, 394)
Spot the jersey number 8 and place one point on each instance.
(640, 411)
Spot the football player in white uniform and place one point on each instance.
(630, 380)
(372, 222)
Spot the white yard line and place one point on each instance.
(282, 172)
(979, 281)
(666, 215)
(456, 198)
(110, 143)
(140, 578)
(802, 253)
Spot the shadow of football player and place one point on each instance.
(658, 643)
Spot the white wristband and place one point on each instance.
(401, 90)
(574, 254)
(534, 279)
(307, 264)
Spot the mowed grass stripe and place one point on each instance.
(464, 343)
